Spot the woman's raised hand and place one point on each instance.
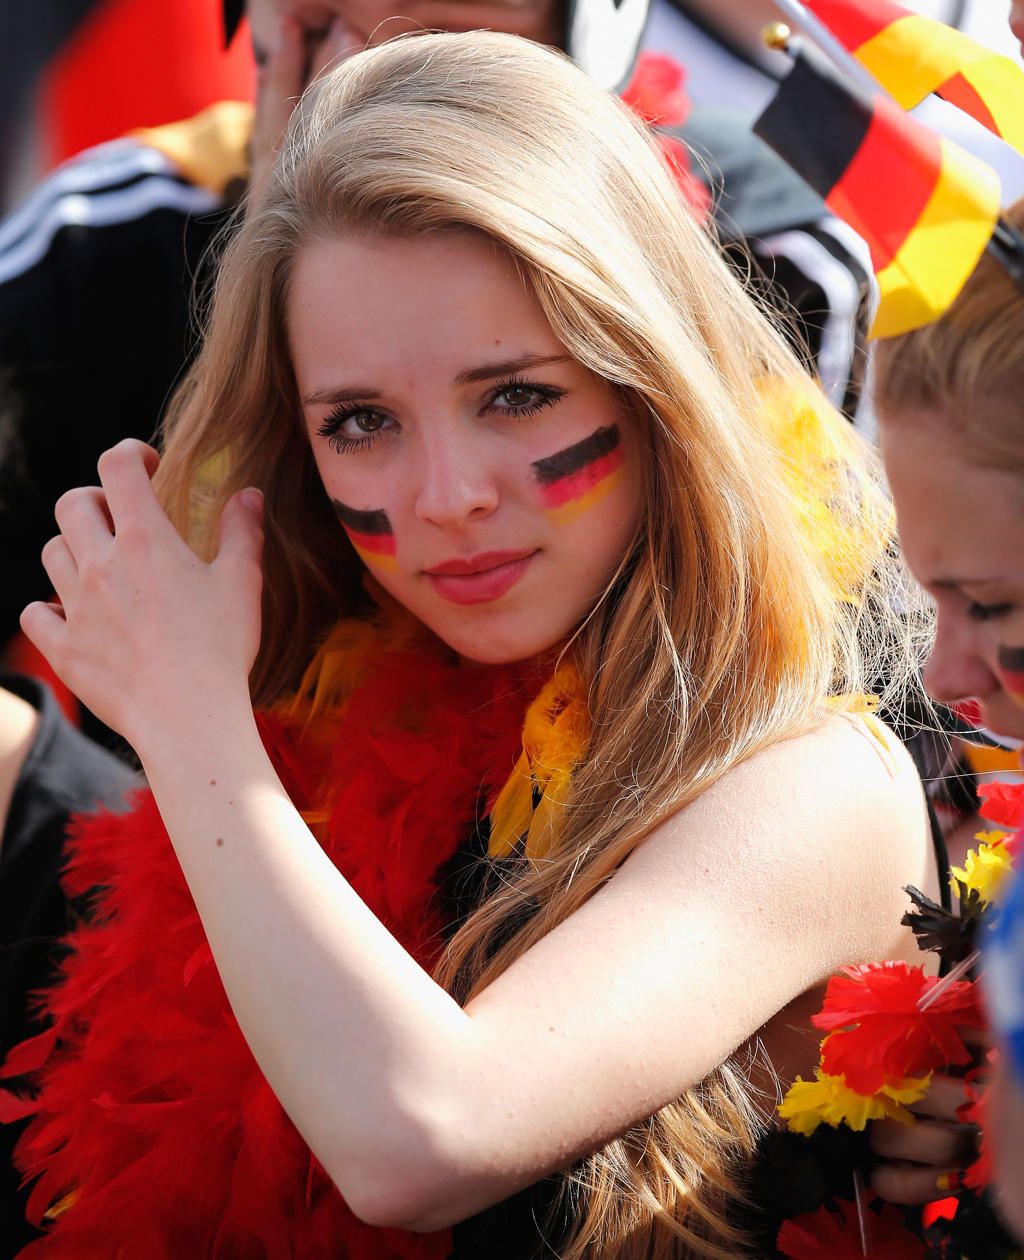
(144, 630)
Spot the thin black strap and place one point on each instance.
(942, 867)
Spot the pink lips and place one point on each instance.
(479, 579)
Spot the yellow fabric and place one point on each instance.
(939, 255)
(803, 425)
(211, 149)
(915, 55)
(533, 801)
(984, 759)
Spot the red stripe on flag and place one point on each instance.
(886, 187)
(961, 93)
(854, 22)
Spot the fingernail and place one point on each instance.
(252, 499)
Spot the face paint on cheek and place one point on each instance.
(574, 480)
(370, 533)
(1011, 671)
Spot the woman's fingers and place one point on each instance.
(934, 1142)
(914, 1183)
(125, 472)
(60, 568)
(945, 1096)
(282, 78)
(84, 520)
(241, 530)
(44, 627)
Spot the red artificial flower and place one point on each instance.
(656, 94)
(837, 1235)
(880, 1034)
(1003, 804)
(656, 91)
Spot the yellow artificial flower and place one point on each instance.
(985, 871)
(828, 1100)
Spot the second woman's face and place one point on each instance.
(962, 530)
(488, 481)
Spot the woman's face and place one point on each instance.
(962, 530)
(487, 480)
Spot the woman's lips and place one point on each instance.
(481, 579)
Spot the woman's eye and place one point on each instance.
(987, 612)
(520, 398)
(353, 428)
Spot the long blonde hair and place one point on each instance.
(966, 368)
(729, 623)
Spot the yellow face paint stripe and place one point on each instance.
(378, 559)
(573, 510)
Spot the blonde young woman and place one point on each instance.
(583, 568)
(952, 425)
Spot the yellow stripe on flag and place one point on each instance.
(915, 56)
(935, 261)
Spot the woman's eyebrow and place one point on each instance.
(337, 394)
(488, 371)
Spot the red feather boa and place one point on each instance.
(154, 1133)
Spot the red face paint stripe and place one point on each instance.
(375, 544)
(575, 485)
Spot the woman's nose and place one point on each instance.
(956, 669)
(456, 486)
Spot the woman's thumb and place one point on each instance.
(241, 527)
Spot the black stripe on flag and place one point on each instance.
(817, 120)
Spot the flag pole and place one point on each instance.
(1007, 247)
(813, 26)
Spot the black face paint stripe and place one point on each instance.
(564, 463)
(1012, 658)
(375, 522)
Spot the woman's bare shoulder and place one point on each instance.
(823, 830)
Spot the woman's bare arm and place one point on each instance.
(423, 1112)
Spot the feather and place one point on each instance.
(151, 1112)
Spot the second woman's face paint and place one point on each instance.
(573, 480)
(370, 533)
(1011, 671)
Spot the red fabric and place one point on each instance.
(854, 22)
(133, 63)
(1003, 804)
(24, 658)
(879, 1034)
(151, 1109)
(889, 182)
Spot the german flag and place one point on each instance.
(912, 56)
(926, 208)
